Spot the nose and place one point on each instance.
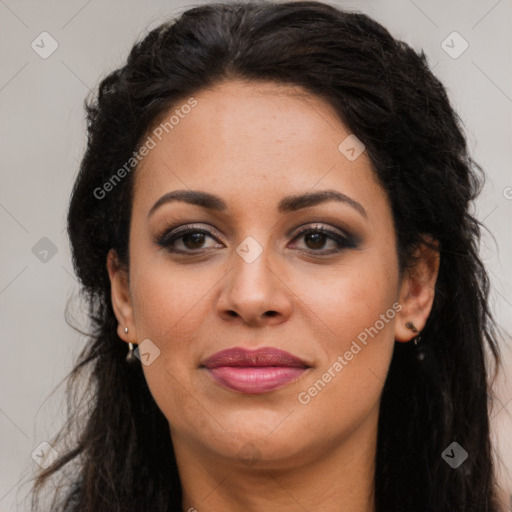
(255, 293)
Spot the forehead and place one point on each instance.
(250, 138)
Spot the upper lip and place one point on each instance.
(266, 356)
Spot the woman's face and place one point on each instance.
(248, 276)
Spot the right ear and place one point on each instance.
(121, 298)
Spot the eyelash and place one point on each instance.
(170, 236)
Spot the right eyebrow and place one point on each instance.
(196, 197)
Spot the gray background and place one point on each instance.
(42, 139)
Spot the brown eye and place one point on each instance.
(316, 237)
(315, 240)
(187, 239)
(193, 240)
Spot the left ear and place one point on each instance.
(418, 289)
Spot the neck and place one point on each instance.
(325, 478)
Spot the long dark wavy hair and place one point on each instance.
(118, 454)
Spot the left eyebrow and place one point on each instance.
(297, 202)
(287, 204)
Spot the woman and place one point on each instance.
(288, 312)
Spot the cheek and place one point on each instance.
(171, 306)
(355, 309)
(350, 299)
(169, 302)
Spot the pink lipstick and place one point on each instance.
(254, 371)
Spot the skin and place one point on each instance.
(252, 144)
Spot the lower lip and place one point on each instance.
(255, 380)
